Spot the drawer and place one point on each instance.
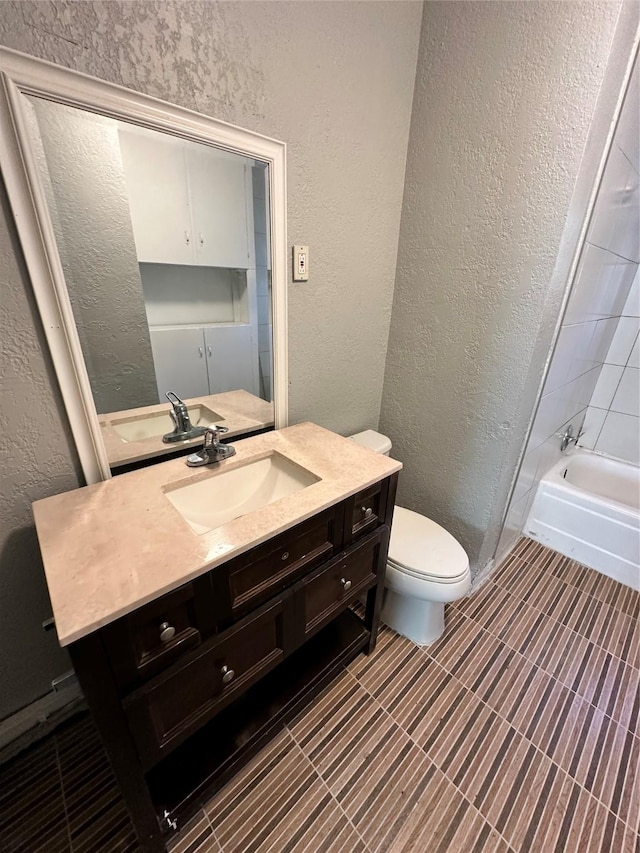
(151, 638)
(328, 591)
(364, 511)
(249, 580)
(172, 706)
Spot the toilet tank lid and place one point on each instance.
(423, 547)
(373, 440)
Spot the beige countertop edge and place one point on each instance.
(75, 529)
(240, 412)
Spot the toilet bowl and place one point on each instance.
(426, 567)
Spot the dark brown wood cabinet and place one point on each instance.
(188, 687)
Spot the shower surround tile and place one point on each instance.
(517, 731)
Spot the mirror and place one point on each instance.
(165, 247)
(164, 244)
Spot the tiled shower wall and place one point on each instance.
(594, 321)
(612, 424)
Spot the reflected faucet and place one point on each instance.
(212, 450)
(183, 429)
(569, 438)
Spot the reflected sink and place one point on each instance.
(140, 427)
(223, 496)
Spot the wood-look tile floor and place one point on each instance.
(517, 731)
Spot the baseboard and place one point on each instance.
(32, 723)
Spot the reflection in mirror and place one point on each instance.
(164, 243)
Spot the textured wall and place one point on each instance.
(98, 254)
(37, 458)
(245, 63)
(504, 99)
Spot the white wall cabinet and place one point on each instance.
(231, 358)
(190, 203)
(180, 362)
(197, 361)
(218, 190)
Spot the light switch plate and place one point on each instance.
(301, 263)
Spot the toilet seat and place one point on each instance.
(421, 549)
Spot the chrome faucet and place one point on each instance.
(212, 450)
(569, 438)
(183, 429)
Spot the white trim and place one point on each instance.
(22, 75)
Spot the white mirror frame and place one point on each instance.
(25, 75)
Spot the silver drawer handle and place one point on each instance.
(227, 674)
(346, 585)
(285, 556)
(368, 512)
(167, 632)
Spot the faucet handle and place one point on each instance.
(211, 451)
(211, 434)
(173, 399)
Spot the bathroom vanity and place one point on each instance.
(196, 634)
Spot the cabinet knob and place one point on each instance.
(187, 237)
(346, 585)
(167, 632)
(285, 556)
(201, 351)
(368, 512)
(201, 239)
(227, 674)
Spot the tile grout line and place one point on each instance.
(367, 849)
(538, 748)
(490, 709)
(568, 627)
(416, 744)
(533, 563)
(213, 830)
(550, 674)
(62, 791)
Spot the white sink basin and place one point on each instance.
(226, 495)
(140, 427)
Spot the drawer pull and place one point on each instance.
(227, 674)
(167, 632)
(346, 585)
(368, 512)
(285, 556)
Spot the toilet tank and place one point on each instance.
(373, 440)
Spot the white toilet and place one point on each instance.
(426, 567)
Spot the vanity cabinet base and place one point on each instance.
(176, 736)
(202, 765)
(161, 800)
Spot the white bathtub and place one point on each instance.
(587, 507)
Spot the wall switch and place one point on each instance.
(301, 263)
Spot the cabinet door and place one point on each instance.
(219, 201)
(180, 363)
(232, 358)
(155, 172)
